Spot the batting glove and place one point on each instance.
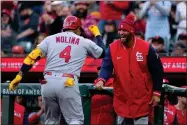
(69, 82)
(95, 30)
(14, 83)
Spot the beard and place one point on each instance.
(81, 13)
(125, 38)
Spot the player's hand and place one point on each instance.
(94, 29)
(99, 85)
(69, 82)
(14, 83)
(155, 100)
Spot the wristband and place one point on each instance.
(25, 68)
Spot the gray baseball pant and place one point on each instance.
(57, 98)
(130, 121)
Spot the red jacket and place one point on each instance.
(109, 13)
(19, 111)
(132, 81)
(170, 112)
(18, 114)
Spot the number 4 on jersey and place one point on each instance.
(66, 54)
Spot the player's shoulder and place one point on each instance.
(51, 36)
(54, 35)
(84, 40)
(142, 41)
(88, 40)
(71, 34)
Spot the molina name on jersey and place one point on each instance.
(64, 39)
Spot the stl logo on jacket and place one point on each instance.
(139, 56)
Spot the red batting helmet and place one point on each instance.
(72, 22)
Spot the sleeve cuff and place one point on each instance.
(99, 79)
(156, 93)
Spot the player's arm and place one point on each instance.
(39, 52)
(156, 70)
(28, 62)
(95, 30)
(106, 68)
(100, 43)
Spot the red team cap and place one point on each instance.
(128, 23)
(71, 22)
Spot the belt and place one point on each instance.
(43, 81)
(63, 74)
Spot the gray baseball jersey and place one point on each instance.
(66, 52)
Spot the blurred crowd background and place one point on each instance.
(24, 24)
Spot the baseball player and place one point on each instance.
(65, 54)
(138, 75)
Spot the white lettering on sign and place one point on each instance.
(12, 65)
(22, 91)
(3, 65)
(27, 91)
(175, 65)
(5, 91)
(11, 92)
(179, 65)
(38, 92)
(32, 92)
(16, 65)
(166, 65)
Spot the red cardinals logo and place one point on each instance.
(68, 23)
(139, 56)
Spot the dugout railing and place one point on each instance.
(87, 90)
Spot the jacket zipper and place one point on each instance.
(129, 63)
